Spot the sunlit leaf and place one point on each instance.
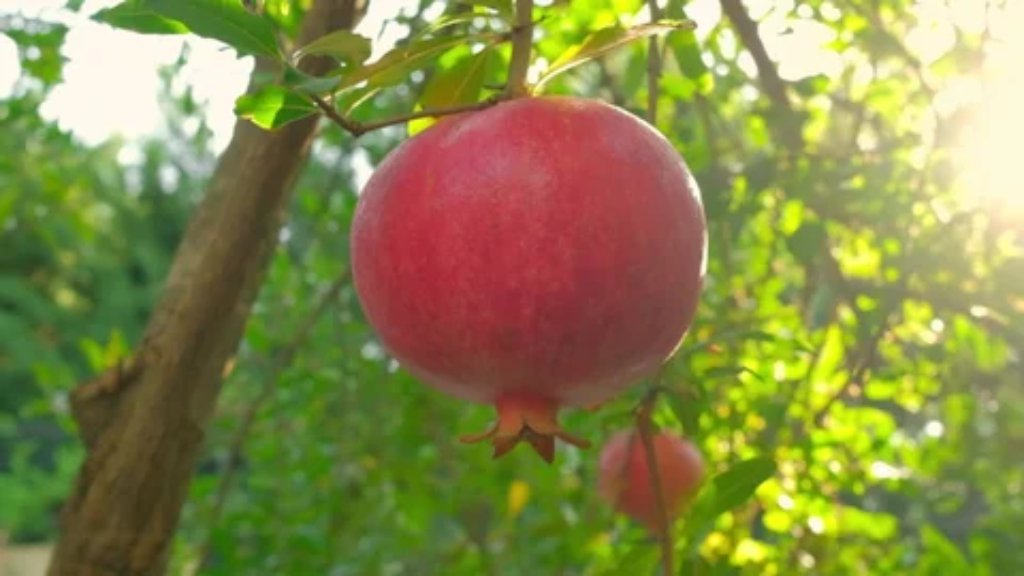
(737, 484)
(394, 66)
(446, 21)
(641, 559)
(460, 84)
(273, 106)
(725, 492)
(944, 557)
(133, 16)
(351, 99)
(343, 45)
(688, 55)
(303, 82)
(224, 20)
(503, 7)
(605, 40)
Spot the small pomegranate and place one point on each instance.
(544, 252)
(625, 476)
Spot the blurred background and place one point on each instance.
(862, 322)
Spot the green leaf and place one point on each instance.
(943, 555)
(640, 559)
(688, 405)
(295, 78)
(688, 55)
(502, 7)
(728, 372)
(18, 294)
(737, 484)
(460, 84)
(346, 46)
(394, 66)
(806, 243)
(224, 20)
(273, 106)
(606, 40)
(446, 21)
(726, 491)
(131, 15)
(352, 99)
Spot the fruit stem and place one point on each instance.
(646, 430)
(522, 43)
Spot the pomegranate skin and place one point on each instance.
(549, 248)
(625, 476)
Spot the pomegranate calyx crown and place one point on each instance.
(529, 418)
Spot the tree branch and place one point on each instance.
(125, 505)
(95, 402)
(746, 28)
(768, 75)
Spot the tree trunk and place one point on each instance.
(143, 422)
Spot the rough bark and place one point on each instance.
(143, 422)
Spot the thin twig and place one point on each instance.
(771, 82)
(435, 113)
(746, 29)
(868, 352)
(653, 66)
(351, 126)
(359, 128)
(281, 359)
(865, 362)
(522, 44)
(645, 427)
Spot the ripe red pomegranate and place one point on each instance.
(625, 476)
(544, 252)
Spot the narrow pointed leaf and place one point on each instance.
(502, 7)
(349, 100)
(606, 40)
(394, 66)
(346, 46)
(131, 15)
(305, 83)
(447, 21)
(460, 84)
(224, 20)
(273, 106)
(737, 484)
(725, 492)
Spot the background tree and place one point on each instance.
(858, 345)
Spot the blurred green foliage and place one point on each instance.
(861, 326)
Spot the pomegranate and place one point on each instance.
(543, 252)
(625, 476)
